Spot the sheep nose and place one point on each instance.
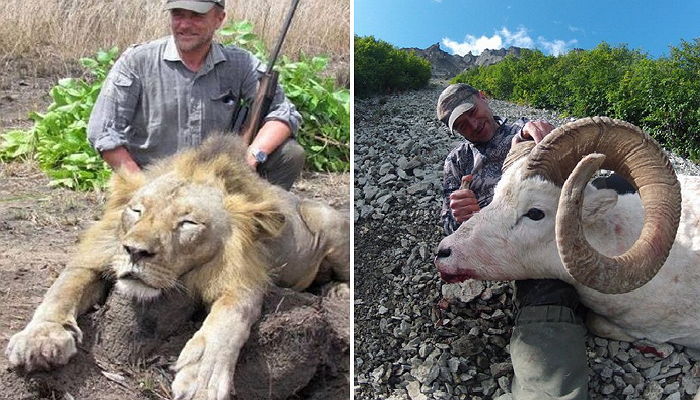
(443, 252)
(136, 254)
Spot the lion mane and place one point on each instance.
(251, 206)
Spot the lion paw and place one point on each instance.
(42, 346)
(203, 372)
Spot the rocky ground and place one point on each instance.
(417, 338)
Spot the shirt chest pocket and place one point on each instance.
(221, 109)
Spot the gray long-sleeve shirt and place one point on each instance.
(483, 161)
(154, 106)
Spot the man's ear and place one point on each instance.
(123, 185)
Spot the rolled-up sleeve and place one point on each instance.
(111, 117)
(281, 109)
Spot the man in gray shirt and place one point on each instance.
(171, 93)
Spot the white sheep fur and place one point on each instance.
(501, 243)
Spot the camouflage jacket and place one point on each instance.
(483, 161)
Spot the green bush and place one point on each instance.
(660, 95)
(381, 68)
(58, 138)
(325, 108)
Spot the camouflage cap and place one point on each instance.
(198, 6)
(454, 101)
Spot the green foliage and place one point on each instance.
(381, 67)
(325, 133)
(241, 34)
(662, 95)
(325, 108)
(58, 139)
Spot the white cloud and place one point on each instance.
(506, 38)
(519, 38)
(473, 44)
(556, 47)
(575, 29)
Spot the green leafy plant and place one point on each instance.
(58, 139)
(325, 108)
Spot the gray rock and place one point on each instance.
(500, 369)
(652, 391)
(465, 291)
(642, 362)
(414, 393)
(661, 350)
(467, 346)
(608, 389)
(674, 396)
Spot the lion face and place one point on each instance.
(168, 228)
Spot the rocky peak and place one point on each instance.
(445, 65)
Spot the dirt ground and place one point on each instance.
(39, 228)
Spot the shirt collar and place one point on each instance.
(216, 54)
(170, 53)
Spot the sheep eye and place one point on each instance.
(535, 214)
(135, 210)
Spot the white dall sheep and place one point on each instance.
(634, 259)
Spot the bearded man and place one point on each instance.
(170, 94)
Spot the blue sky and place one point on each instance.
(554, 27)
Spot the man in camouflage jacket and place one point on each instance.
(547, 345)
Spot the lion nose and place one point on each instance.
(443, 252)
(136, 254)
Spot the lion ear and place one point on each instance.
(123, 185)
(269, 222)
(261, 219)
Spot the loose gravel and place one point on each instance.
(417, 338)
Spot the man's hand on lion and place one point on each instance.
(42, 346)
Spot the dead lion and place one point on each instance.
(202, 222)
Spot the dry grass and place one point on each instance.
(58, 31)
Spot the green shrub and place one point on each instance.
(58, 138)
(381, 68)
(325, 108)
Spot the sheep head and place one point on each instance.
(554, 176)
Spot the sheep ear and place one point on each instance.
(597, 202)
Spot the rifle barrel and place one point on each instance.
(283, 33)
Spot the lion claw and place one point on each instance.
(42, 346)
(202, 374)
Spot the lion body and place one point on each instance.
(202, 222)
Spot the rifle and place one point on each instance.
(267, 87)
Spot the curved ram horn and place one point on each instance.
(639, 159)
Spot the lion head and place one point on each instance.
(193, 222)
